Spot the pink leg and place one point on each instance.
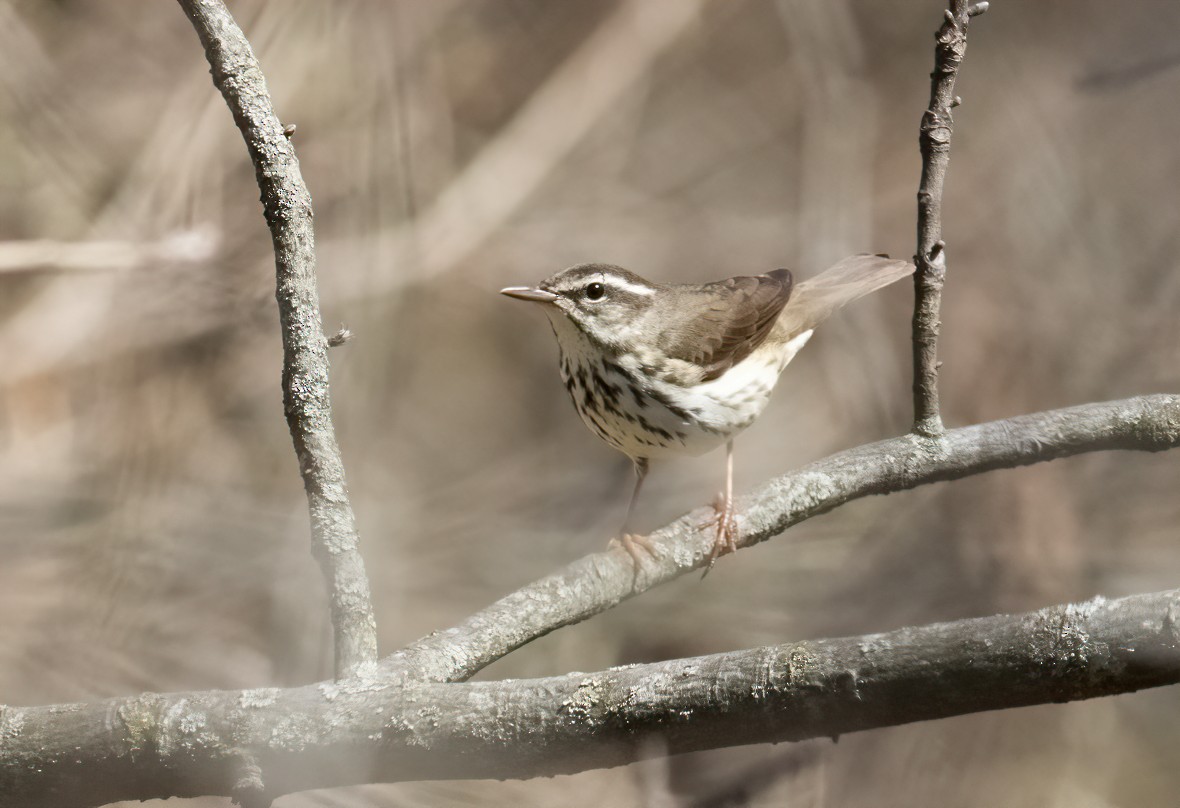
(726, 539)
(632, 542)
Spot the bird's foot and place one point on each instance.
(631, 542)
(726, 539)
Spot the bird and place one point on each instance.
(664, 369)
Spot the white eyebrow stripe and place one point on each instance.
(627, 286)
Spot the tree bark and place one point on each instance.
(383, 730)
(414, 717)
(934, 138)
(599, 582)
(306, 402)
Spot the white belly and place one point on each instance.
(653, 418)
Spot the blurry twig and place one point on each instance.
(743, 787)
(599, 582)
(581, 92)
(412, 718)
(1121, 77)
(187, 246)
(489, 190)
(935, 140)
(287, 206)
(181, 744)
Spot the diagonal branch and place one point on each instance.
(362, 731)
(287, 206)
(598, 582)
(935, 141)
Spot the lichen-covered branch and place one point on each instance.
(598, 582)
(934, 138)
(287, 206)
(364, 731)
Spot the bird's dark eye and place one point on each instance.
(595, 291)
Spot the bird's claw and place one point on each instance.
(631, 542)
(726, 539)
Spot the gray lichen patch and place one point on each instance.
(802, 492)
(1062, 645)
(184, 726)
(295, 732)
(399, 727)
(873, 645)
(924, 451)
(1148, 428)
(686, 555)
(430, 715)
(12, 722)
(581, 706)
(1170, 623)
(140, 722)
(191, 723)
(258, 697)
(799, 666)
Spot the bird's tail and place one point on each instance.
(814, 299)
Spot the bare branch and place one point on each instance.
(598, 582)
(363, 731)
(935, 141)
(287, 206)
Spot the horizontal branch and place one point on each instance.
(600, 581)
(363, 731)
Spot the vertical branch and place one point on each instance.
(935, 141)
(287, 206)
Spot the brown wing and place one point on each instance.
(717, 325)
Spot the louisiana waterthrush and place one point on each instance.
(666, 369)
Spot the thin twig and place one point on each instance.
(359, 731)
(935, 141)
(287, 206)
(598, 582)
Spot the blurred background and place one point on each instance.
(153, 529)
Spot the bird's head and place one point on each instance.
(602, 302)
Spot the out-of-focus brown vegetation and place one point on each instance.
(153, 531)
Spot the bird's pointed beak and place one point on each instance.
(530, 294)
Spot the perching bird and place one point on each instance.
(666, 369)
